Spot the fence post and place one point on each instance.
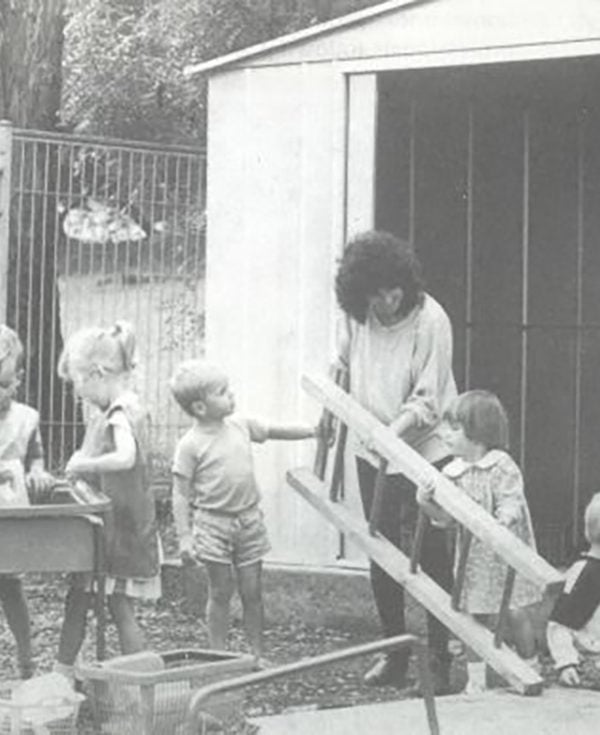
(5, 169)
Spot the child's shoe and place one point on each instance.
(476, 682)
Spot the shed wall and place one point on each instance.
(272, 245)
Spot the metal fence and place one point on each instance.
(101, 230)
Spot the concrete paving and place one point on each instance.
(557, 711)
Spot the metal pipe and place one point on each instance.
(260, 677)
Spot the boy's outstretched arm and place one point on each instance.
(181, 515)
(292, 433)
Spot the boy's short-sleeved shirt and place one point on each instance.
(218, 463)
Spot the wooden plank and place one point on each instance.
(502, 659)
(471, 515)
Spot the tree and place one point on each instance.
(31, 42)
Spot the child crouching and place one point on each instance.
(574, 626)
(213, 480)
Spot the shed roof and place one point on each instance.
(425, 26)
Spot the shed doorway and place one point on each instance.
(493, 172)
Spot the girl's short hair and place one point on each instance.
(110, 350)
(482, 417)
(592, 520)
(373, 261)
(192, 380)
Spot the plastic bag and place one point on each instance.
(46, 699)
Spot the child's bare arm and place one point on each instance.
(293, 432)
(181, 515)
(121, 458)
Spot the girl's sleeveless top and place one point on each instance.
(131, 530)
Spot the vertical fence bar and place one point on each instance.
(5, 183)
(33, 234)
(52, 428)
(525, 280)
(469, 246)
(581, 141)
(412, 168)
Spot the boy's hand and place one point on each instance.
(186, 551)
(569, 677)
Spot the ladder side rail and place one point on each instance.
(468, 513)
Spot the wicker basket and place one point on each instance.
(149, 694)
(43, 719)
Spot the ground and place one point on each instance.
(174, 624)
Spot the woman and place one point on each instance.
(396, 341)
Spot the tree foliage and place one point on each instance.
(124, 62)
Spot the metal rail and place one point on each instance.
(201, 696)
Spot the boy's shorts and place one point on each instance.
(230, 538)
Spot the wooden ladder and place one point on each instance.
(519, 557)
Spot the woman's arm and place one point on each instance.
(433, 378)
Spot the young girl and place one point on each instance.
(114, 455)
(477, 434)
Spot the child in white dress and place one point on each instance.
(477, 433)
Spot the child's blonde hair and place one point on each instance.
(11, 347)
(109, 350)
(482, 417)
(192, 380)
(592, 520)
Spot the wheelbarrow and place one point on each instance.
(198, 703)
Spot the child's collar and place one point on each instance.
(459, 466)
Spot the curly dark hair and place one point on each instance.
(372, 261)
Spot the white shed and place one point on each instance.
(469, 127)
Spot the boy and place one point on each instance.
(213, 476)
(574, 625)
(21, 466)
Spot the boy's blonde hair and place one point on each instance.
(592, 520)
(94, 348)
(192, 380)
(482, 418)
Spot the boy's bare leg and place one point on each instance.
(72, 633)
(220, 590)
(131, 638)
(250, 586)
(17, 617)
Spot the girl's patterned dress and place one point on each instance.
(494, 482)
